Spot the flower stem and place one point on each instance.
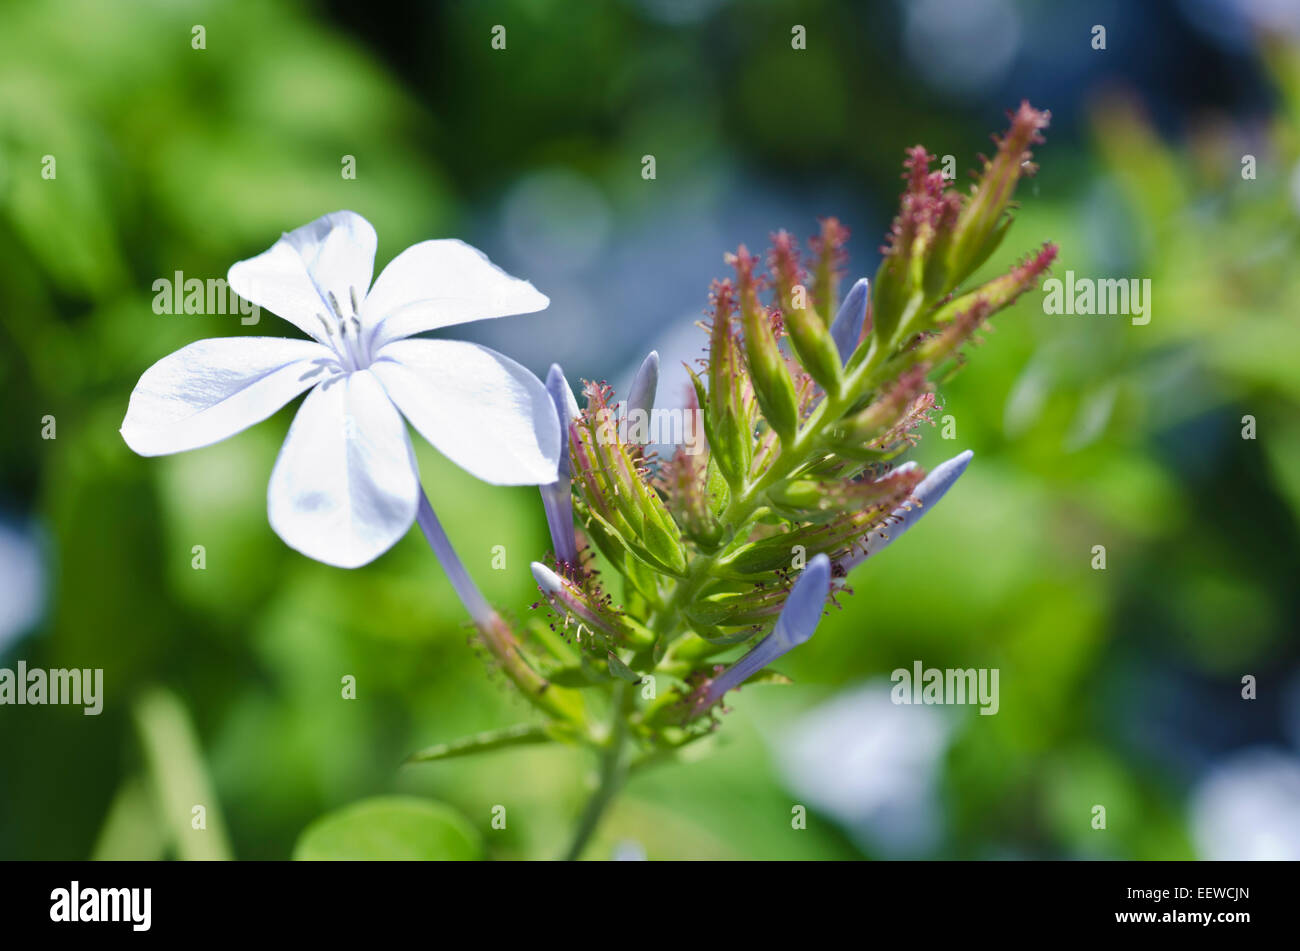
(613, 772)
(494, 632)
(470, 596)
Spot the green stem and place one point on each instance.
(613, 772)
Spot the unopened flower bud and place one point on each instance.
(729, 420)
(981, 226)
(1001, 292)
(846, 329)
(796, 625)
(828, 247)
(815, 348)
(557, 498)
(641, 394)
(771, 379)
(583, 605)
(924, 498)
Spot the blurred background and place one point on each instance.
(1120, 687)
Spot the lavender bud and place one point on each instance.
(557, 498)
(796, 625)
(566, 408)
(641, 395)
(582, 602)
(925, 497)
(846, 329)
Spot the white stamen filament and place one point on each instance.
(351, 348)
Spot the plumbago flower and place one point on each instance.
(807, 401)
(345, 486)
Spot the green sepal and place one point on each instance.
(611, 543)
(815, 348)
(865, 454)
(716, 489)
(662, 544)
(761, 556)
(796, 493)
(731, 609)
(603, 535)
(889, 292)
(958, 270)
(621, 670)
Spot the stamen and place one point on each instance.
(334, 303)
(329, 331)
(352, 292)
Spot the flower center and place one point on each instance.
(344, 332)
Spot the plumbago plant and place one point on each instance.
(807, 402)
(743, 546)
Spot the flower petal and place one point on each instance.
(334, 254)
(345, 486)
(846, 328)
(483, 411)
(440, 283)
(214, 388)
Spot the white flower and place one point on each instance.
(1248, 808)
(345, 486)
(873, 765)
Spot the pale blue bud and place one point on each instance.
(846, 328)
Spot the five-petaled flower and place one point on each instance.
(345, 487)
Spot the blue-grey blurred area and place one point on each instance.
(1163, 686)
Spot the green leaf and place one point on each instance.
(522, 735)
(132, 830)
(178, 777)
(393, 828)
